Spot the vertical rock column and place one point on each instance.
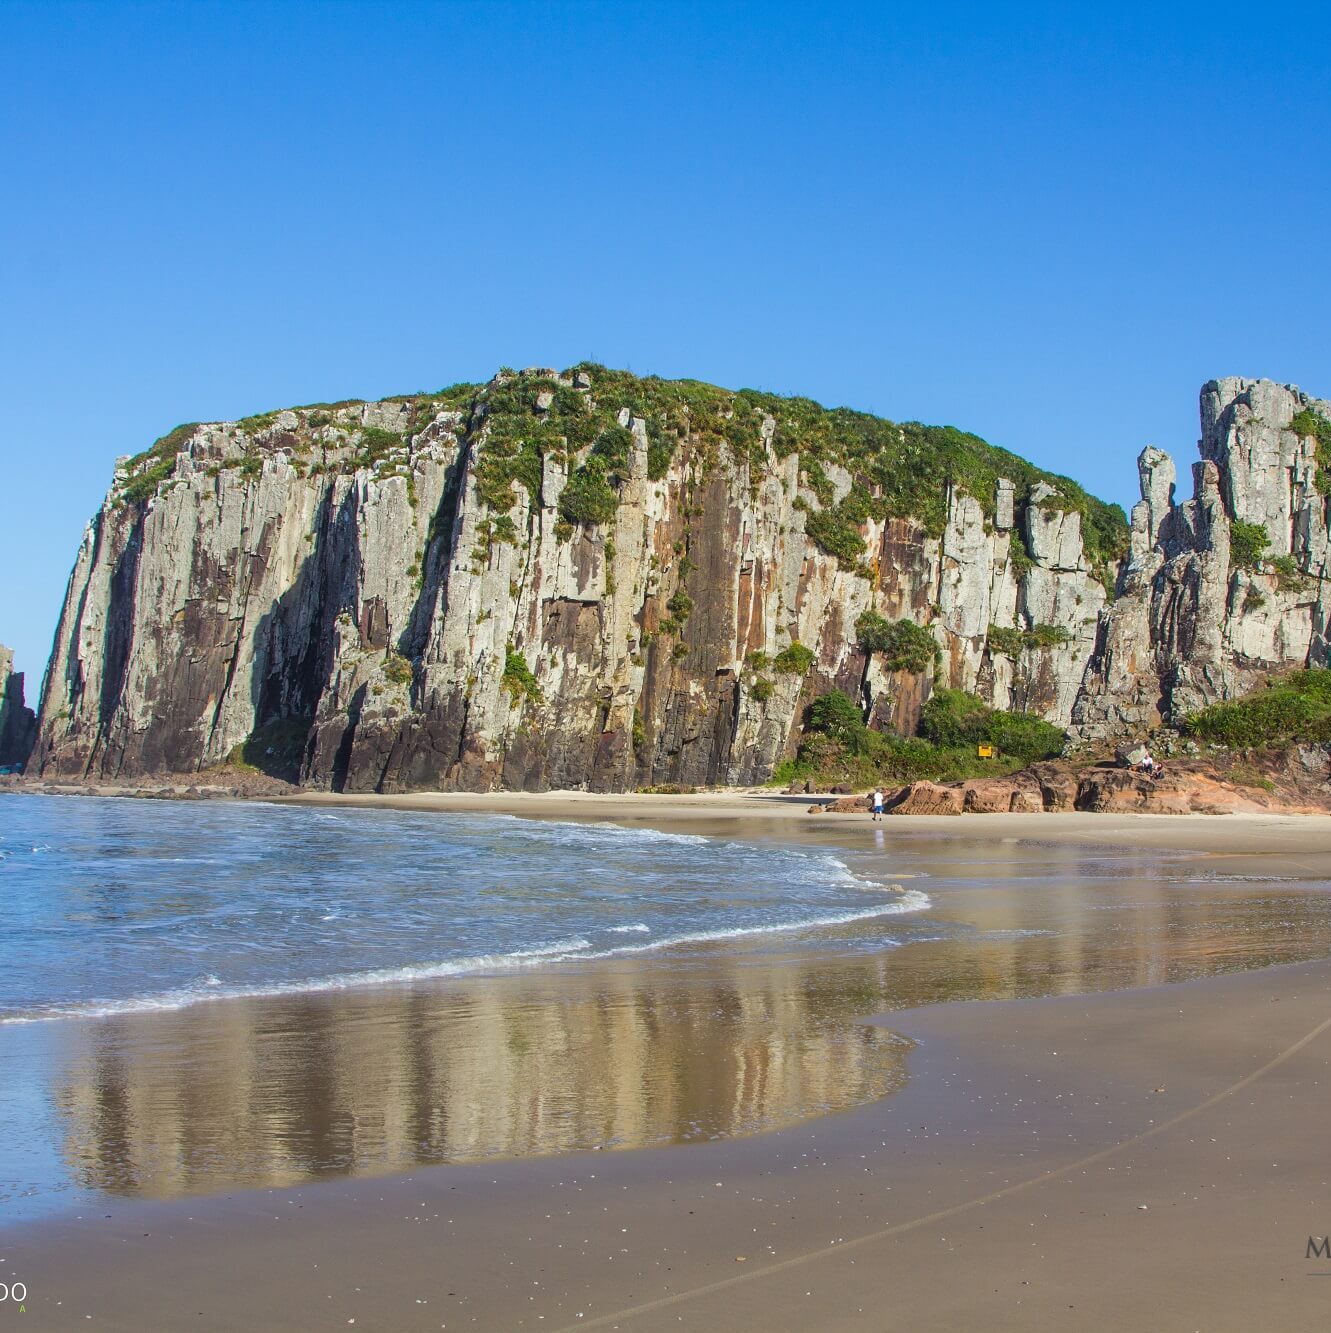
(18, 723)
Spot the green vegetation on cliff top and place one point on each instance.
(519, 420)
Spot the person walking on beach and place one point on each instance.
(876, 800)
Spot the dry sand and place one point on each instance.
(1150, 1158)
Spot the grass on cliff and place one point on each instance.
(897, 470)
(1289, 708)
(839, 749)
(520, 421)
(155, 464)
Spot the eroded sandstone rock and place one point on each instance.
(927, 798)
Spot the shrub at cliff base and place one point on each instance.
(1296, 707)
(835, 714)
(955, 718)
(839, 748)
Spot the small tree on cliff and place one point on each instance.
(835, 715)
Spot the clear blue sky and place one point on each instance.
(1046, 224)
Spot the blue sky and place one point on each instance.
(1046, 224)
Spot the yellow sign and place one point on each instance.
(985, 751)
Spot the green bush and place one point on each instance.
(1288, 708)
(838, 747)
(679, 606)
(1289, 577)
(794, 660)
(1009, 642)
(398, 669)
(376, 445)
(517, 679)
(762, 689)
(837, 534)
(1046, 636)
(1019, 556)
(660, 448)
(836, 715)
(955, 718)
(1247, 544)
(905, 645)
(614, 447)
(1307, 422)
(873, 632)
(589, 496)
(1024, 736)
(886, 759)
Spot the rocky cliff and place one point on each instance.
(1221, 590)
(592, 580)
(18, 723)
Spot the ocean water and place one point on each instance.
(120, 906)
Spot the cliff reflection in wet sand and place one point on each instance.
(628, 1052)
(269, 1092)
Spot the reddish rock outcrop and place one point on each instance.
(926, 798)
(1292, 783)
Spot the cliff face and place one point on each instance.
(584, 579)
(18, 723)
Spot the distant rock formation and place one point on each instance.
(1224, 589)
(18, 723)
(585, 579)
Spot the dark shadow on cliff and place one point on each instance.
(293, 659)
(342, 759)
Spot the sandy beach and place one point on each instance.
(1149, 1154)
(755, 811)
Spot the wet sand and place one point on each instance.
(1152, 1158)
(1150, 1155)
